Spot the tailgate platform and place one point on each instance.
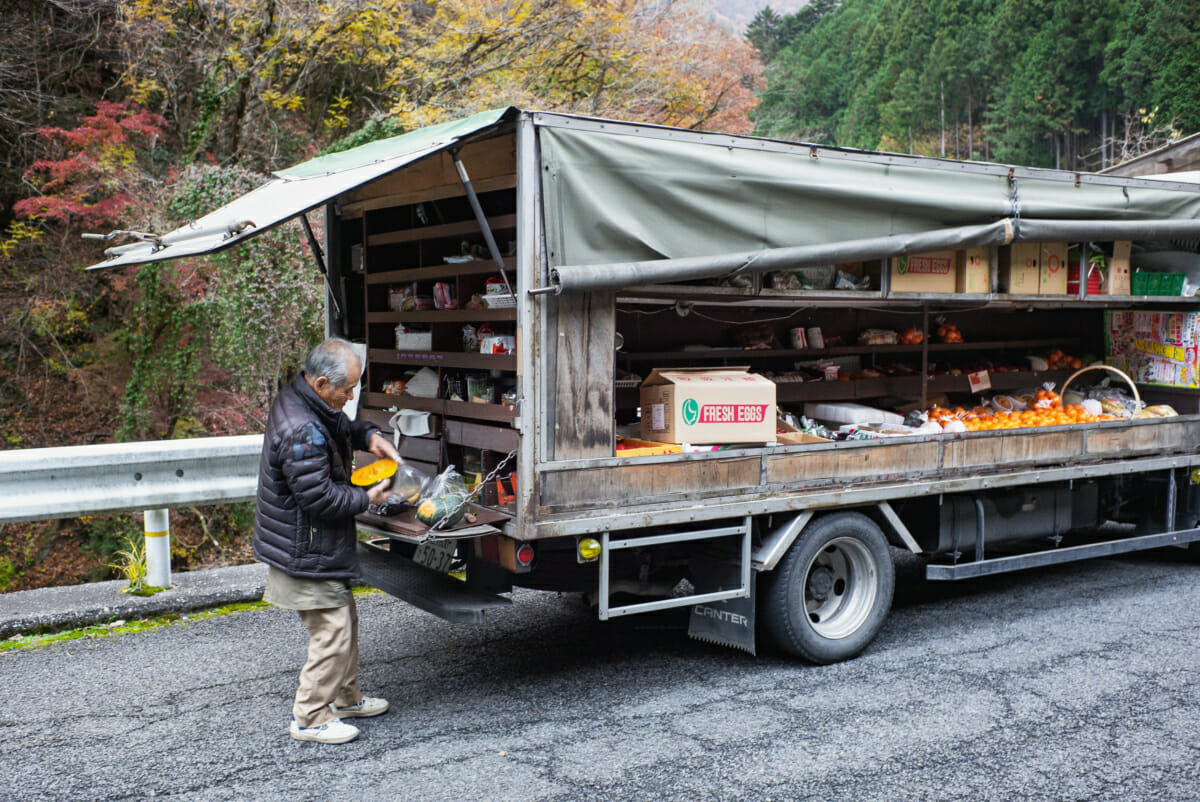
(439, 594)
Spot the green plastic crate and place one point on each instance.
(1143, 283)
(1170, 284)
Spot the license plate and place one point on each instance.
(437, 555)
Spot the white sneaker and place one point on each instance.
(331, 732)
(366, 707)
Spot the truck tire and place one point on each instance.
(832, 591)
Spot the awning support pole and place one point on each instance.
(320, 260)
(473, 199)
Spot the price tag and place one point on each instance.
(980, 381)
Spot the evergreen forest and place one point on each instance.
(1076, 84)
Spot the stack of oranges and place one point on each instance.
(1048, 410)
(1057, 360)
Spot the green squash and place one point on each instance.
(444, 511)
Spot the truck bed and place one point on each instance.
(584, 496)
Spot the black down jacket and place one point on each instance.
(304, 521)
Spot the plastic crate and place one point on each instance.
(1144, 283)
(1170, 284)
(645, 448)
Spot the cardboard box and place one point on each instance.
(414, 341)
(788, 435)
(629, 447)
(1019, 272)
(1116, 279)
(975, 271)
(708, 405)
(925, 272)
(1052, 268)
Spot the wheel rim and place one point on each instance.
(839, 588)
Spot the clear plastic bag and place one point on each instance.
(408, 487)
(447, 482)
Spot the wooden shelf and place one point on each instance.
(444, 359)
(861, 389)
(455, 190)
(909, 386)
(479, 267)
(497, 413)
(439, 231)
(840, 350)
(491, 412)
(446, 316)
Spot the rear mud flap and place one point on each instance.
(725, 623)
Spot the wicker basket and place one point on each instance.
(1133, 387)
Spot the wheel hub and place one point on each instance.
(820, 583)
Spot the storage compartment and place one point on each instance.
(426, 270)
(951, 526)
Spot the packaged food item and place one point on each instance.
(848, 281)
(498, 344)
(878, 337)
(407, 298)
(470, 338)
(1157, 411)
(411, 338)
(1007, 403)
(759, 337)
(949, 333)
(443, 296)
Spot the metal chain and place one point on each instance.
(466, 499)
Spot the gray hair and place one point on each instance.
(332, 359)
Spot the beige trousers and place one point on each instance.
(331, 673)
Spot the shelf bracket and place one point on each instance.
(488, 237)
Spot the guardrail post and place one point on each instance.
(158, 548)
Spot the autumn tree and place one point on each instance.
(263, 83)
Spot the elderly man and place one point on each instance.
(304, 531)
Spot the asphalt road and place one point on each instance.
(1074, 683)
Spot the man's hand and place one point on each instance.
(381, 446)
(379, 492)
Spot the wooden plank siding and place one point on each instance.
(583, 377)
(632, 484)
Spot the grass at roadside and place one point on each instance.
(123, 627)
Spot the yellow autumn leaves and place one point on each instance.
(247, 78)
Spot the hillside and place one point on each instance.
(122, 114)
(1079, 84)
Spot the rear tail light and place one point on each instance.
(524, 554)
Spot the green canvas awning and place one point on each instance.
(298, 190)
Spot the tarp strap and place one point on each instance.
(587, 278)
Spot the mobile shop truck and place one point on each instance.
(648, 298)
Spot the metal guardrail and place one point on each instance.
(47, 483)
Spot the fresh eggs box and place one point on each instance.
(708, 405)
